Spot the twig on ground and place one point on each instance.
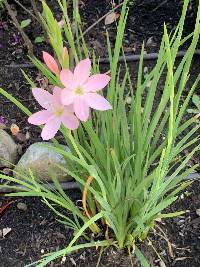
(35, 10)
(160, 5)
(26, 39)
(38, 16)
(99, 258)
(127, 58)
(142, 3)
(74, 185)
(164, 236)
(22, 100)
(28, 11)
(150, 56)
(51, 186)
(100, 19)
(26, 65)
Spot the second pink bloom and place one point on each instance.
(81, 89)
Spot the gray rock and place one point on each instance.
(22, 206)
(8, 150)
(41, 160)
(150, 41)
(198, 212)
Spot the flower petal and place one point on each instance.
(81, 108)
(82, 71)
(69, 120)
(67, 97)
(96, 82)
(69, 108)
(40, 117)
(51, 63)
(51, 128)
(68, 80)
(43, 97)
(97, 101)
(57, 95)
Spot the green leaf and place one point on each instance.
(32, 84)
(196, 101)
(25, 23)
(171, 215)
(141, 257)
(39, 39)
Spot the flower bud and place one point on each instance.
(65, 58)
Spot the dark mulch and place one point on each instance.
(36, 231)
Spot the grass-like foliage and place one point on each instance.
(128, 161)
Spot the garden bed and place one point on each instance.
(36, 231)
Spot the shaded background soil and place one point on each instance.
(36, 230)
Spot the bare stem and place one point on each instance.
(28, 11)
(36, 12)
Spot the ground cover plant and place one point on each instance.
(127, 173)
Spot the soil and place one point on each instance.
(36, 230)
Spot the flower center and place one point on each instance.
(59, 112)
(79, 91)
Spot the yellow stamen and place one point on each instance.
(59, 112)
(79, 91)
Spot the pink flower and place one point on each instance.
(81, 89)
(53, 114)
(51, 63)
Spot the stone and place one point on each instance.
(162, 264)
(149, 84)
(6, 231)
(150, 41)
(198, 212)
(129, 100)
(8, 150)
(145, 70)
(41, 159)
(22, 206)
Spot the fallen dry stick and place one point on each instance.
(73, 185)
(122, 59)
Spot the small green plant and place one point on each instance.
(127, 161)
